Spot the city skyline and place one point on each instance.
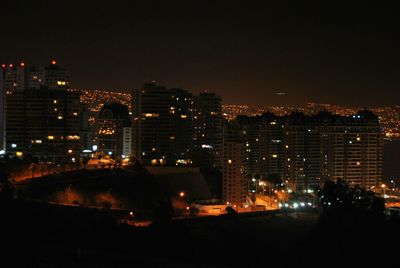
(277, 54)
(172, 133)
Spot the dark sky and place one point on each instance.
(324, 51)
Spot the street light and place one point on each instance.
(182, 194)
(384, 190)
(131, 216)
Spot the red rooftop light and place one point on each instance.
(11, 65)
(53, 62)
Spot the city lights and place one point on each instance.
(199, 134)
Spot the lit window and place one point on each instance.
(229, 161)
(50, 137)
(151, 115)
(60, 117)
(54, 101)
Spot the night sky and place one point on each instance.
(243, 50)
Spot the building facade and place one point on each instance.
(162, 125)
(264, 145)
(43, 120)
(208, 130)
(305, 151)
(234, 174)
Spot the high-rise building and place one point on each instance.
(162, 120)
(208, 129)
(234, 177)
(52, 76)
(181, 139)
(327, 146)
(391, 160)
(303, 152)
(13, 77)
(308, 150)
(264, 145)
(356, 149)
(42, 120)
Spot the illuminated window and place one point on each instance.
(50, 137)
(229, 161)
(54, 101)
(75, 113)
(60, 117)
(151, 115)
(183, 116)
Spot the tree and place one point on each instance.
(6, 187)
(340, 196)
(193, 211)
(85, 161)
(274, 179)
(163, 212)
(230, 210)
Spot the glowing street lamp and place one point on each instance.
(384, 190)
(131, 216)
(182, 194)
